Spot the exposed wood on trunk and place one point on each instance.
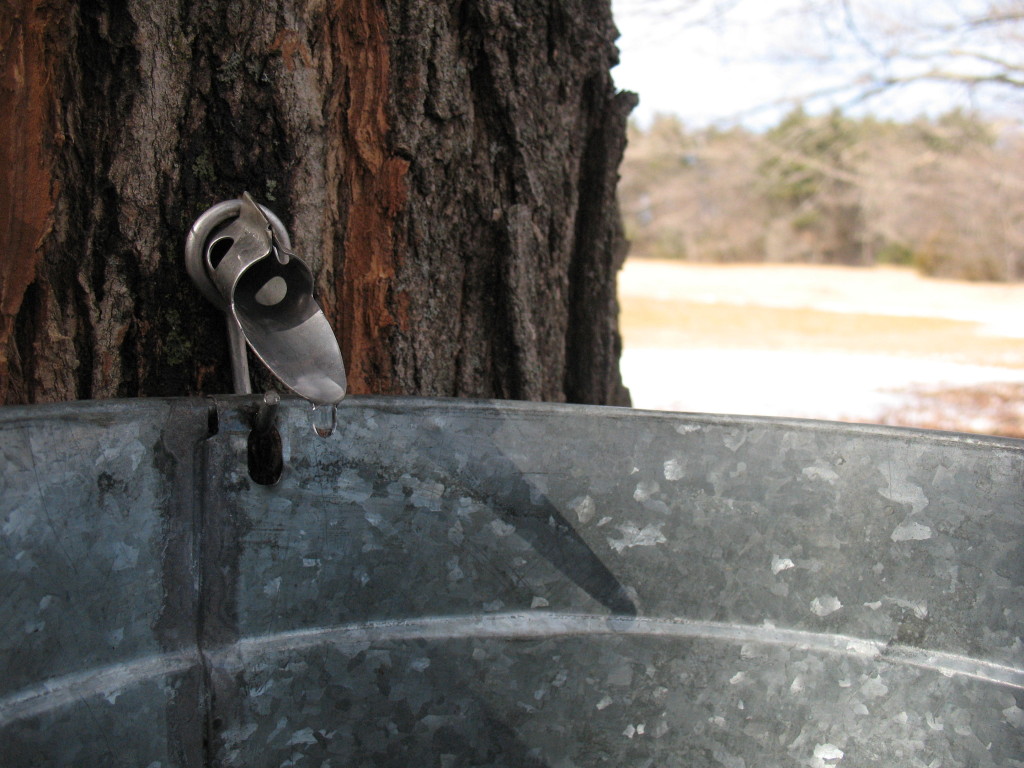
(26, 193)
(366, 309)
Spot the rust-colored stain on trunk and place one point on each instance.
(26, 193)
(372, 181)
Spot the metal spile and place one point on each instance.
(239, 255)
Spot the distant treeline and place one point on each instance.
(945, 195)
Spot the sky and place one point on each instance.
(703, 73)
(750, 64)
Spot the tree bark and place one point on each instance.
(448, 169)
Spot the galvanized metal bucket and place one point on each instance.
(459, 583)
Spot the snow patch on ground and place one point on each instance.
(814, 385)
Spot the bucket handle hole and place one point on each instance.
(265, 460)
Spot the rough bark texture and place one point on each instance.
(448, 170)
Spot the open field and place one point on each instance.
(878, 345)
(696, 324)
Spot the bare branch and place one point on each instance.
(855, 31)
(995, 18)
(950, 76)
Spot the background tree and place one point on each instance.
(693, 194)
(447, 168)
(812, 190)
(945, 195)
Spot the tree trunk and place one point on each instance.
(448, 169)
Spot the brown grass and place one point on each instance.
(650, 322)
